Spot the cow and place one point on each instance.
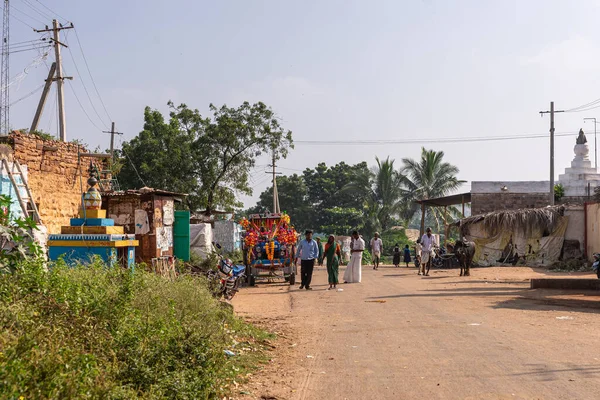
(464, 251)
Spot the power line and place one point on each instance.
(91, 76)
(432, 140)
(27, 95)
(132, 164)
(53, 12)
(84, 86)
(44, 15)
(81, 106)
(21, 21)
(24, 13)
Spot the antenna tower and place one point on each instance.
(4, 76)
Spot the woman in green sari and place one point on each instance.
(333, 254)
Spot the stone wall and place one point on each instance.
(488, 196)
(56, 174)
(482, 203)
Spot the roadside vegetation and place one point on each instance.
(92, 332)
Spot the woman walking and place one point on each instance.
(406, 255)
(397, 255)
(333, 254)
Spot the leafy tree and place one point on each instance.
(208, 158)
(232, 140)
(292, 199)
(161, 156)
(385, 190)
(431, 177)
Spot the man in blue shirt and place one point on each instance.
(308, 252)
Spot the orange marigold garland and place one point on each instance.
(270, 248)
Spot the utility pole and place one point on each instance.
(112, 140)
(595, 143)
(551, 112)
(56, 28)
(276, 207)
(4, 75)
(42, 103)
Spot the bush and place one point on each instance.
(97, 332)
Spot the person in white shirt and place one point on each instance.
(427, 244)
(376, 248)
(353, 272)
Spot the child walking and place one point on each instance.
(397, 255)
(406, 255)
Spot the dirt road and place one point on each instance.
(400, 336)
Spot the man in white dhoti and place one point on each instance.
(376, 248)
(353, 272)
(427, 243)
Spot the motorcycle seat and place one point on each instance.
(238, 269)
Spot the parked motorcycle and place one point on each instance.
(437, 260)
(229, 275)
(596, 264)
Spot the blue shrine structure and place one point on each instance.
(92, 234)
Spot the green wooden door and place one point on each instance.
(181, 235)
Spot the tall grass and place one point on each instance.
(93, 332)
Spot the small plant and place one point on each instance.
(42, 135)
(16, 240)
(559, 192)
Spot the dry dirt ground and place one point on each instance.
(397, 335)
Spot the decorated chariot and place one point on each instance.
(269, 247)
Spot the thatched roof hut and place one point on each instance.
(526, 220)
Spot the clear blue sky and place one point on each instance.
(337, 70)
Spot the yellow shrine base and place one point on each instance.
(92, 214)
(92, 230)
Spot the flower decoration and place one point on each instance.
(245, 223)
(251, 239)
(270, 249)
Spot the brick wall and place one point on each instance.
(482, 203)
(56, 174)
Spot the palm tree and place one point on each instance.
(431, 177)
(385, 191)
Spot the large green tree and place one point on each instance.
(316, 199)
(431, 177)
(209, 158)
(385, 191)
(292, 199)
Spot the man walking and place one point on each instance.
(353, 272)
(376, 248)
(308, 252)
(427, 244)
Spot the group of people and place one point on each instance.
(312, 251)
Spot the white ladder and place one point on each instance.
(27, 204)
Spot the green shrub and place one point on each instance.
(94, 332)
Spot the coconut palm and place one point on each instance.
(431, 177)
(385, 191)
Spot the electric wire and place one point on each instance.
(42, 14)
(84, 86)
(21, 21)
(53, 12)
(91, 76)
(81, 106)
(429, 140)
(27, 15)
(27, 95)
(131, 162)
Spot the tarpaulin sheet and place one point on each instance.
(532, 248)
(201, 238)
